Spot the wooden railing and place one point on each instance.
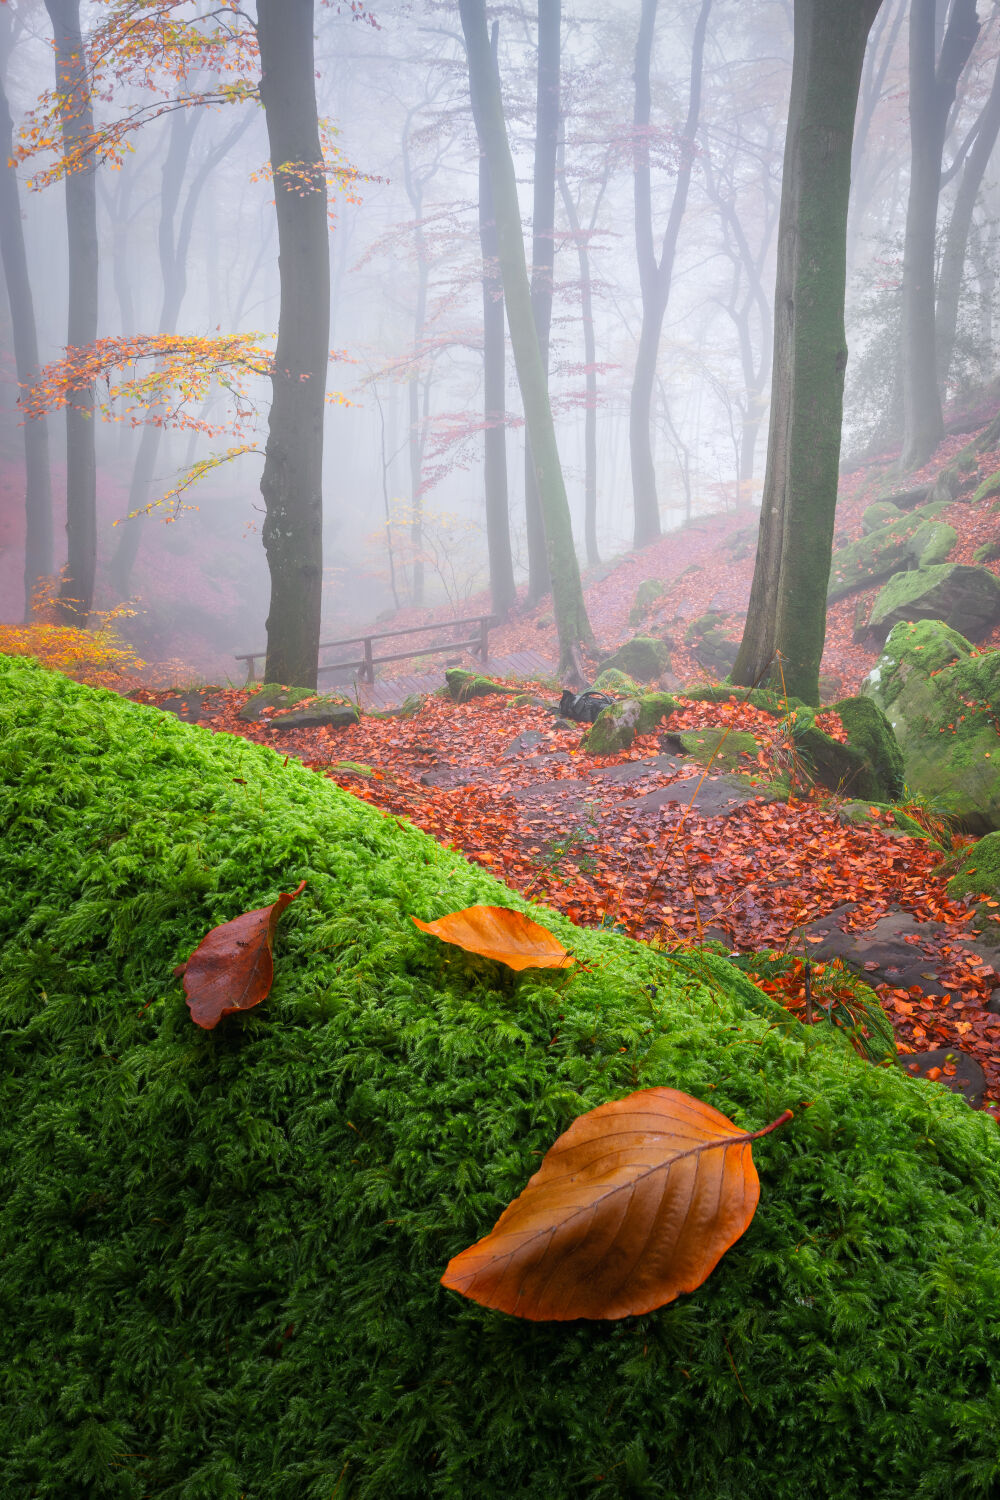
(365, 664)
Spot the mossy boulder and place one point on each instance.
(616, 726)
(878, 515)
(988, 552)
(709, 643)
(978, 875)
(966, 598)
(869, 765)
(272, 696)
(941, 701)
(911, 542)
(613, 681)
(462, 685)
(222, 1249)
(646, 596)
(322, 712)
(642, 658)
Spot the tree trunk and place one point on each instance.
(655, 275)
(590, 361)
(292, 480)
(37, 482)
(567, 595)
(933, 86)
(543, 217)
(503, 591)
(76, 593)
(952, 270)
(787, 613)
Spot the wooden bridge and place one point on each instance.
(358, 673)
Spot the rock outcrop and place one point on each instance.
(941, 701)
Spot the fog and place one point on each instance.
(407, 311)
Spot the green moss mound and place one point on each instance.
(222, 1249)
(463, 685)
(613, 681)
(642, 658)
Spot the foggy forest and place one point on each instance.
(499, 726)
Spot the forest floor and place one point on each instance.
(604, 841)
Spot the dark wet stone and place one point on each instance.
(713, 796)
(895, 961)
(968, 1079)
(187, 706)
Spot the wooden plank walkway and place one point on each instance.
(389, 692)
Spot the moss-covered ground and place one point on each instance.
(221, 1250)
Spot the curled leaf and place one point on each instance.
(232, 967)
(497, 932)
(635, 1203)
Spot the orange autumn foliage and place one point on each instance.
(97, 656)
(635, 1203)
(497, 932)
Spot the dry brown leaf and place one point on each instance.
(635, 1203)
(232, 967)
(497, 932)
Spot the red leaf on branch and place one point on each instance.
(232, 967)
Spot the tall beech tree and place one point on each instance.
(655, 272)
(76, 593)
(934, 79)
(572, 624)
(543, 222)
(973, 166)
(786, 620)
(291, 483)
(503, 591)
(37, 482)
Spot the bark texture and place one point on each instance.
(933, 85)
(786, 621)
(567, 595)
(76, 592)
(655, 273)
(292, 480)
(37, 482)
(543, 219)
(503, 592)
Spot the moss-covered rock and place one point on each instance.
(941, 701)
(979, 875)
(646, 596)
(871, 811)
(642, 658)
(222, 1249)
(869, 765)
(966, 598)
(271, 696)
(463, 685)
(613, 681)
(908, 543)
(710, 644)
(878, 515)
(616, 726)
(988, 552)
(322, 712)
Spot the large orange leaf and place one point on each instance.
(635, 1203)
(232, 967)
(496, 932)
